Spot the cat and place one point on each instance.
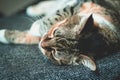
(79, 32)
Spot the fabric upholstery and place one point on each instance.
(26, 62)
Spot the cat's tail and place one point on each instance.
(17, 37)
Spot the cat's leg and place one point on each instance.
(18, 37)
(67, 10)
(47, 7)
(41, 8)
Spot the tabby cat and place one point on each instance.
(78, 32)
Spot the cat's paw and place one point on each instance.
(41, 8)
(2, 36)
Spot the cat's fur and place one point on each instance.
(79, 32)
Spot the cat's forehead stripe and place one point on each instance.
(56, 26)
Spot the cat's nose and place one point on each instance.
(44, 44)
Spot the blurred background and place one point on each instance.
(12, 7)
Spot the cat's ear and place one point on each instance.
(88, 62)
(86, 24)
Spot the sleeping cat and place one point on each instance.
(78, 32)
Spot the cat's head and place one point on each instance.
(62, 43)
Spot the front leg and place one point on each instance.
(18, 37)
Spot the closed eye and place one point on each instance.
(57, 33)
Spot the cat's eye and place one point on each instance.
(57, 33)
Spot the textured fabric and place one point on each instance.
(26, 62)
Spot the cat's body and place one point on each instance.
(78, 32)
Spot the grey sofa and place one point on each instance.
(26, 62)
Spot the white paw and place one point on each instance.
(31, 11)
(72, 2)
(2, 36)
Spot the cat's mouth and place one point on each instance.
(46, 48)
